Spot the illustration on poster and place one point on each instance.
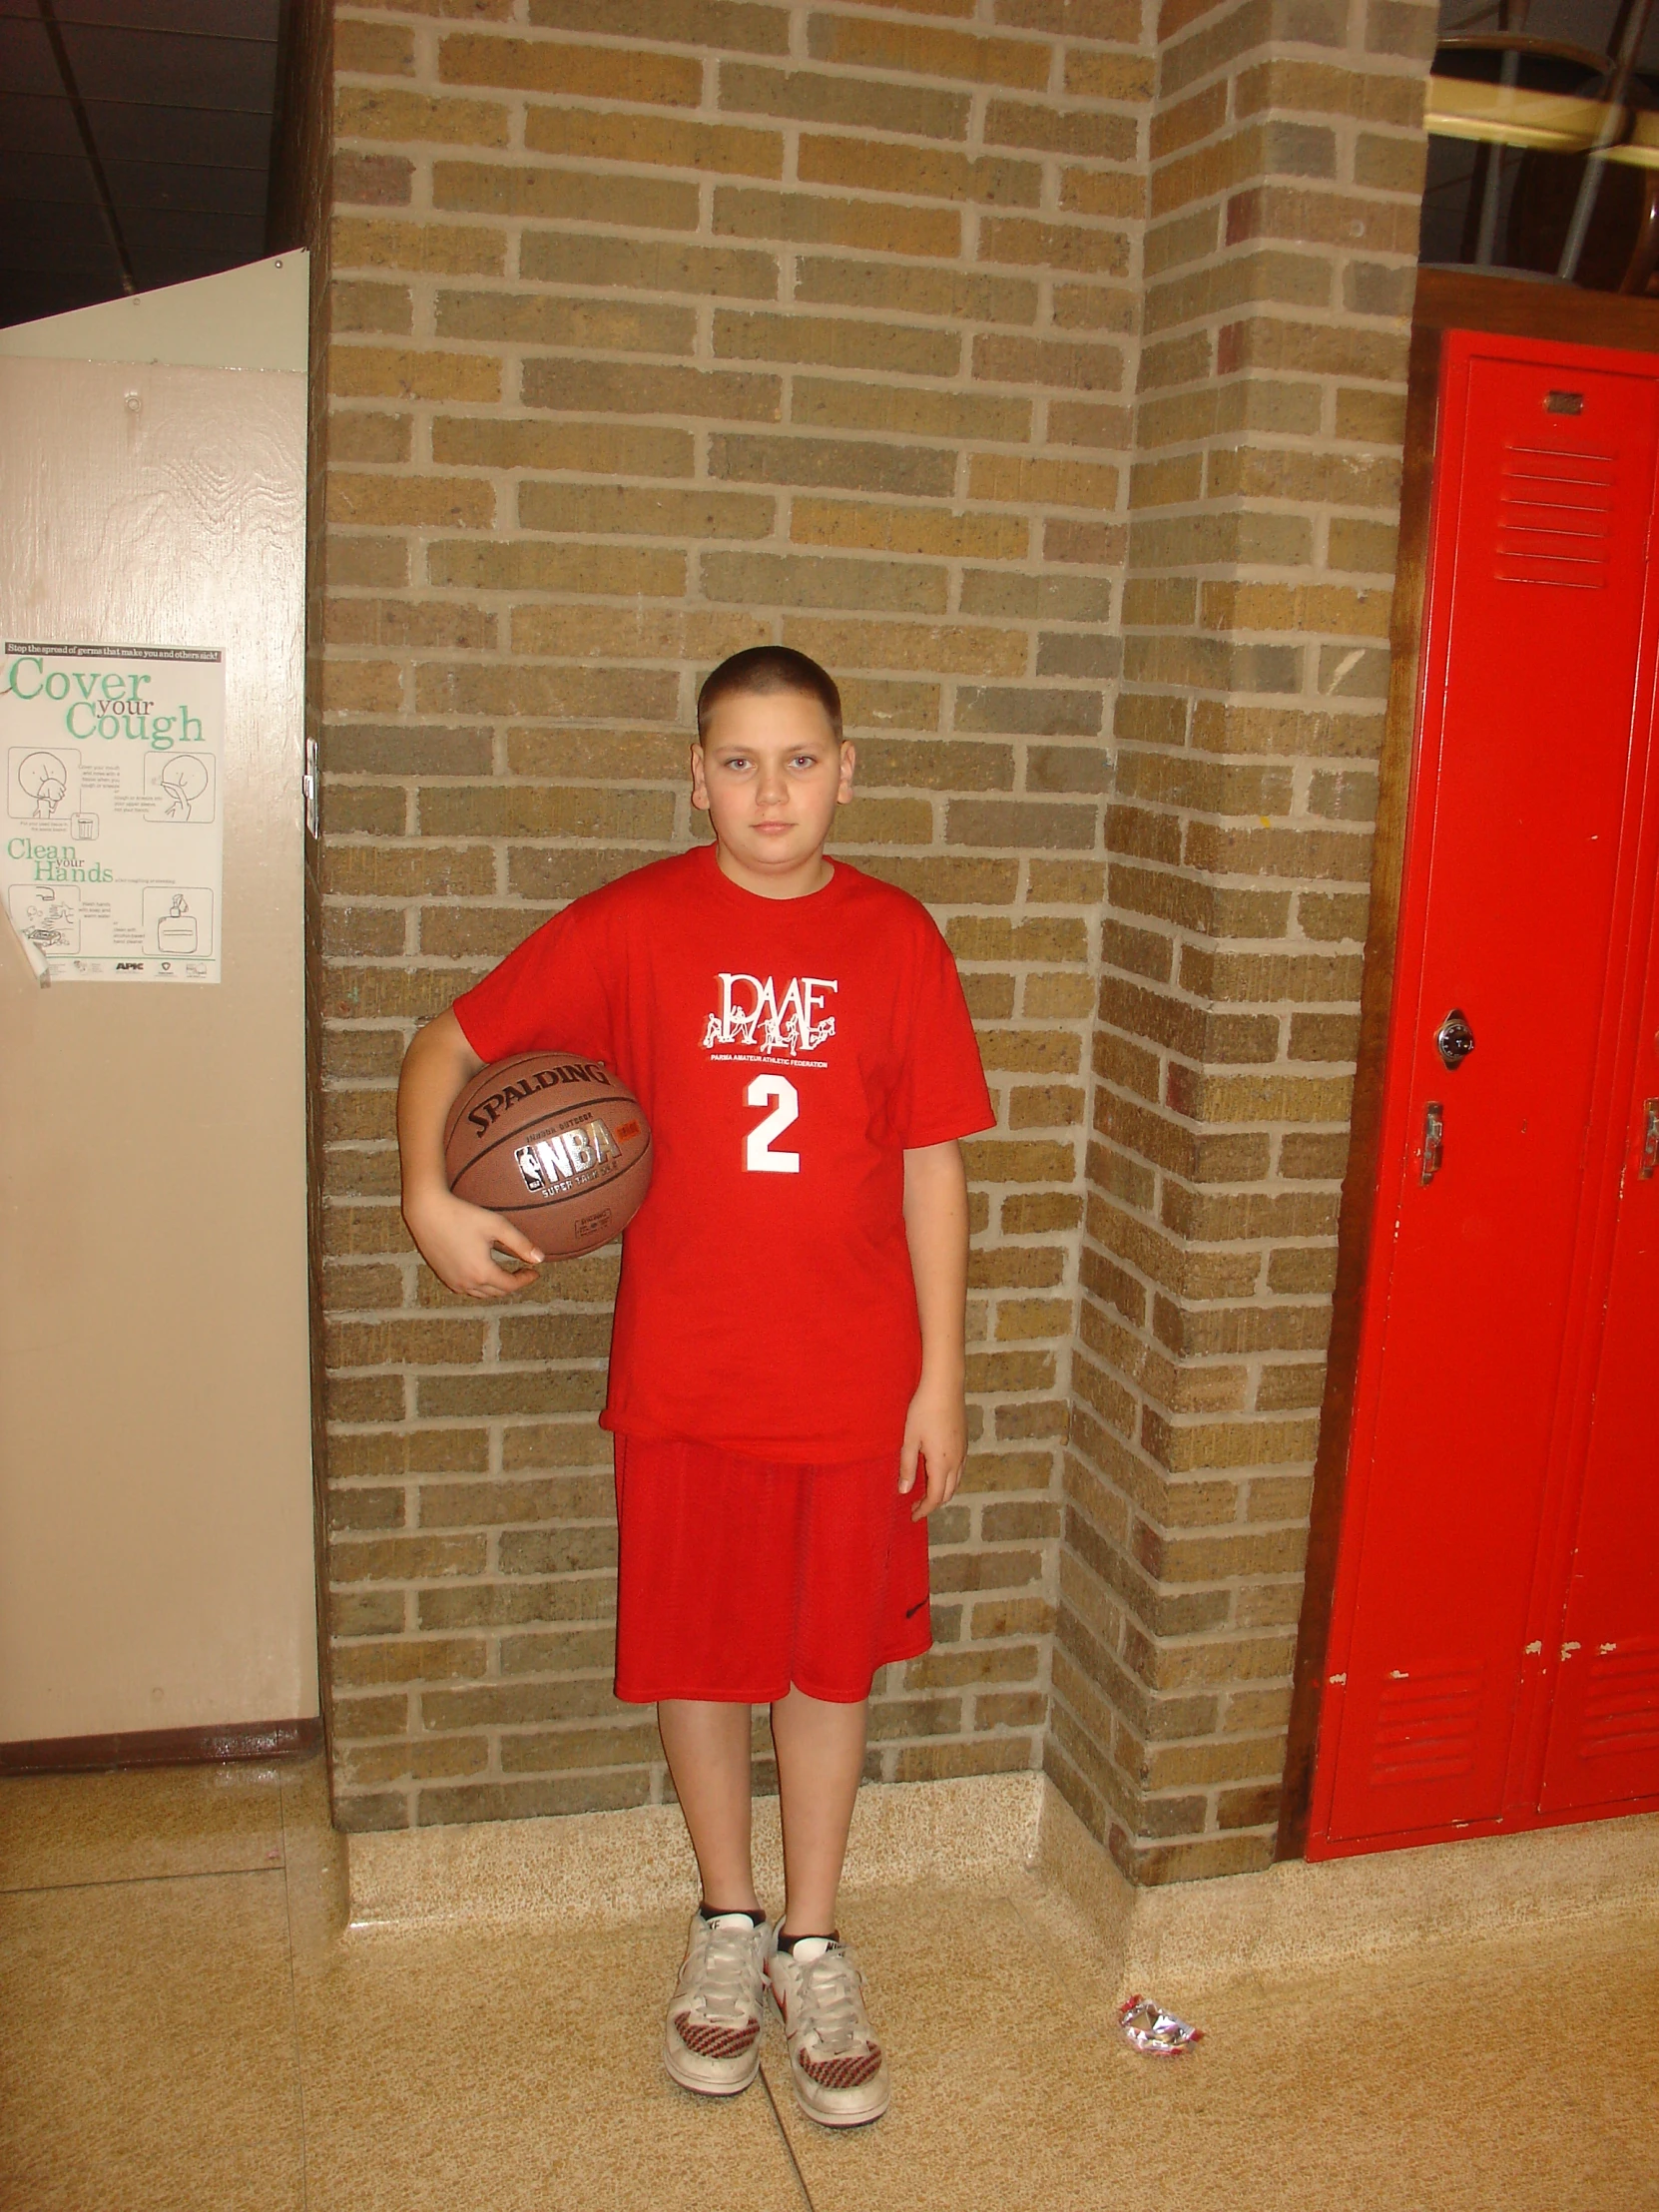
(184, 779)
(143, 904)
(179, 785)
(49, 919)
(42, 778)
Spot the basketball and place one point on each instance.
(554, 1142)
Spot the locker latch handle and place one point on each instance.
(1650, 1141)
(1433, 1139)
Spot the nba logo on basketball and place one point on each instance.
(556, 1143)
(552, 1161)
(752, 1013)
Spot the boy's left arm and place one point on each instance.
(937, 1228)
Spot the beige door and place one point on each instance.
(155, 1546)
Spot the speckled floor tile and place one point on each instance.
(926, 1970)
(620, 2155)
(313, 1861)
(1502, 2076)
(303, 1784)
(209, 2043)
(148, 2061)
(489, 2070)
(432, 2011)
(59, 1829)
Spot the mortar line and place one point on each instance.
(135, 1880)
(293, 2011)
(788, 2147)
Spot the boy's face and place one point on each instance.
(770, 777)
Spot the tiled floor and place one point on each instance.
(179, 2032)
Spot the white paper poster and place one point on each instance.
(114, 819)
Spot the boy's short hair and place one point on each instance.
(767, 667)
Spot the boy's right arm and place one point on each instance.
(455, 1239)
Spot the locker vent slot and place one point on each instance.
(1425, 1726)
(1555, 517)
(1621, 1700)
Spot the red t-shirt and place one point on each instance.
(787, 1052)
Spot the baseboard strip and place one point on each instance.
(163, 1747)
(603, 1870)
(1303, 1916)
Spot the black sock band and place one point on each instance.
(727, 1912)
(786, 1944)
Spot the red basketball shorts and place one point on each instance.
(739, 1577)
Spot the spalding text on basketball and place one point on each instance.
(573, 1071)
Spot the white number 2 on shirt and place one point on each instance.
(784, 1101)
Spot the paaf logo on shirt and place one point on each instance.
(754, 1016)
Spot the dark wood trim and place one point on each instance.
(1359, 1180)
(1446, 300)
(1523, 307)
(163, 1747)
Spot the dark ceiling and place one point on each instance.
(135, 145)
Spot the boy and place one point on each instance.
(787, 1361)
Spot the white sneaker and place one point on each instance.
(837, 2069)
(712, 2037)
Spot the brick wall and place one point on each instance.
(657, 327)
(1284, 187)
(967, 344)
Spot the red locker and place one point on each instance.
(1603, 1741)
(1502, 1435)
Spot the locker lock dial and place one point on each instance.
(1454, 1039)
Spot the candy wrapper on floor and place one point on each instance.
(1153, 2030)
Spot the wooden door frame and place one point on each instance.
(1446, 300)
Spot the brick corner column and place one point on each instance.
(1287, 172)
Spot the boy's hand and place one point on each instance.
(455, 1241)
(937, 1228)
(935, 1436)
